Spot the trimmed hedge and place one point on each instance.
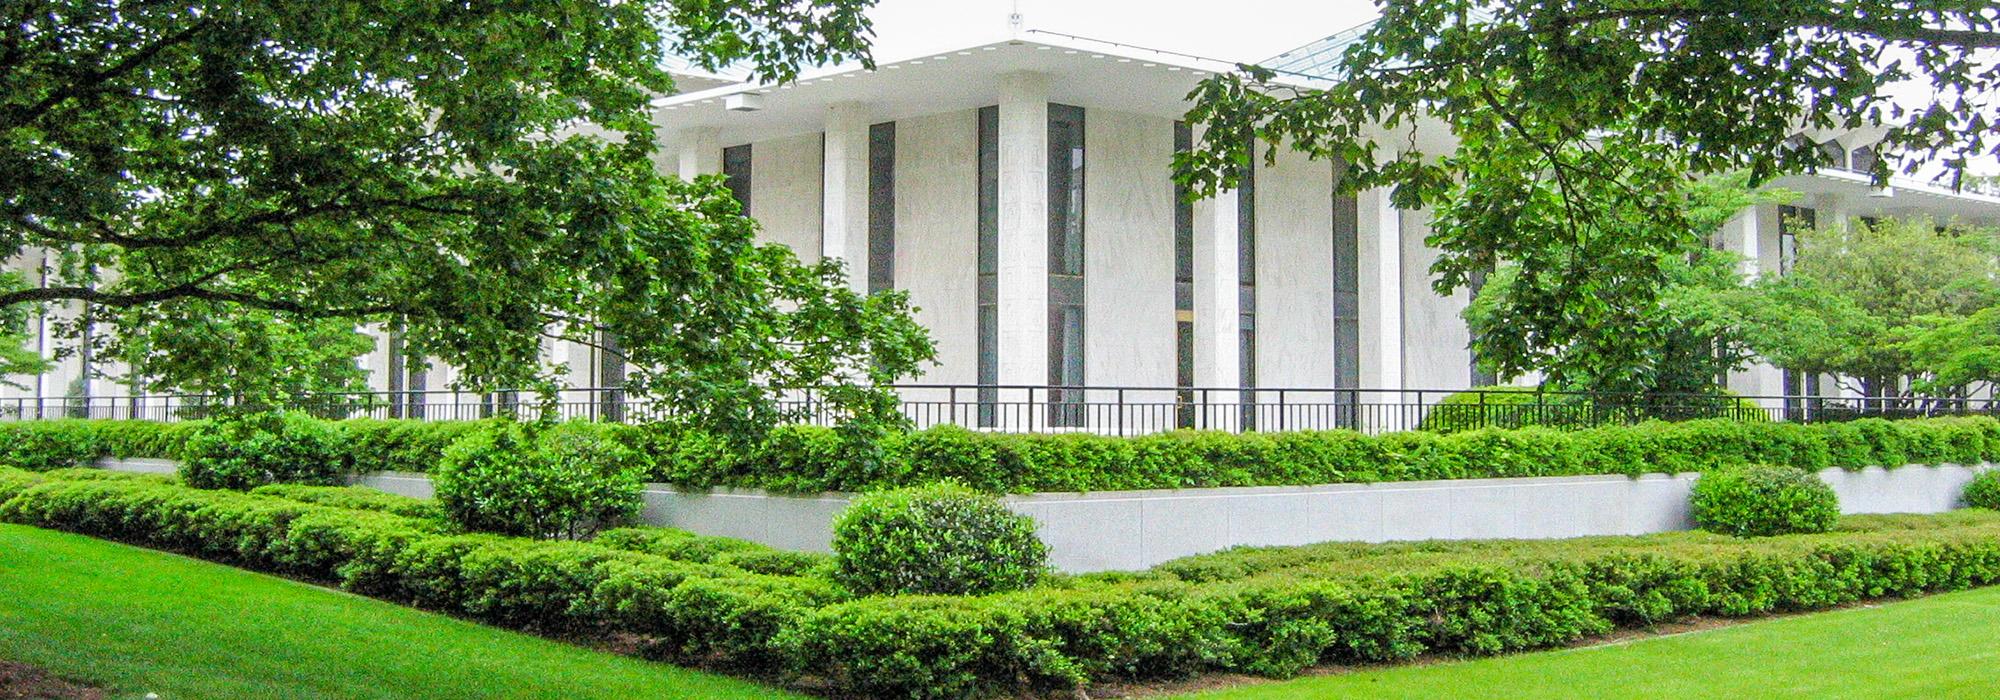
(1526, 406)
(1761, 500)
(941, 539)
(1983, 491)
(1269, 611)
(351, 497)
(247, 451)
(812, 460)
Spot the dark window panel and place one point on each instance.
(736, 173)
(1066, 263)
(1183, 215)
(881, 207)
(988, 294)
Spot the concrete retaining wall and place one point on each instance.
(1136, 529)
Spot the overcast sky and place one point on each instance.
(1233, 30)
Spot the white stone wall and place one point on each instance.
(785, 192)
(1131, 530)
(1294, 273)
(1434, 332)
(937, 236)
(1128, 255)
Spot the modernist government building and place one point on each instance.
(1020, 192)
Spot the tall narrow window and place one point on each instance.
(1346, 301)
(1246, 292)
(881, 207)
(736, 173)
(989, 265)
(1066, 318)
(1184, 413)
(610, 377)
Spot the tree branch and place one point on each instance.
(94, 80)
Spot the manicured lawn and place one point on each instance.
(138, 621)
(1938, 647)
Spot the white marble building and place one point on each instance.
(1020, 192)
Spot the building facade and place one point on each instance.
(1020, 191)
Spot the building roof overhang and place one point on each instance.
(1902, 198)
(1077, 70)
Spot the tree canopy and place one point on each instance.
(1674, 342)
(475, 173)
(1570, 119)
(1902, 299)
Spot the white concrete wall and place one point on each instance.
(1128, 530)
(1294, 273)
(937, 236)
(1435, 338)
(1128, 256)
(1381, 268)
(785, 192)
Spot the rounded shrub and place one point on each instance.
(1984, 490)
(941, 539)
(554, 482)
(1757, 501)
(249, 450)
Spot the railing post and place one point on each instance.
(1121, 410)
(1282, 419)
(1483, 418)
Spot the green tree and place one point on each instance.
(1676, 341)
(259, 359)
(1858, 298)
(1568, 119)
(16, 355)
(475, 173)
(1958, 353)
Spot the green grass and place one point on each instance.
(1937, 647)
(136, 621)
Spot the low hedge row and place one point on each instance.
(1267, 611)
(810, 460)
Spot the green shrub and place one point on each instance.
(41, 445)
(776, 562)
(941, 539)
(1503, 407)
(94, 474)
(1984, 490)
(1527, 406)
(351, 498)
(536, 481)
(127, 439)
(804, 459)
(247, 451)
(373, 445)
(1759, 501)
(14, 481)
(679, 545)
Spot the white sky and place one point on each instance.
(1232, 30)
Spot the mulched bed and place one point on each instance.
(24, 682)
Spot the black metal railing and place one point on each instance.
(1108, 410)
